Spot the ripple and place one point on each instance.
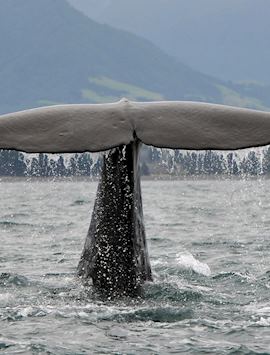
(155, 314)
(16, 215)
(237, 276)
(14, 224)
(80, 202)
(171, 292)
(244, 350)
(164, 315)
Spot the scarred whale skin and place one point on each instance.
(166, 124)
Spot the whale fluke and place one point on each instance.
(115, 254)
(66, 129)
(200, 126)
(167, 124)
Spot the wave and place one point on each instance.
(237, 276)
(97, 313)
(19, 313)
(4, 346)
(158, 314)
(170, 292)
(7, 279)
(245, 350)
(153, 314)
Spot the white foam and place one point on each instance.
(187, 261)
(263, 322)
(6, 298)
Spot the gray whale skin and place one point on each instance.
(115, 254)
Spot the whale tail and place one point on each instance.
(184, 125)
(115, 254)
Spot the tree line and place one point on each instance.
(153, 161)
(13, 163)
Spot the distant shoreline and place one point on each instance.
(153, 178)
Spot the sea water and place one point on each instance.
(208, 242)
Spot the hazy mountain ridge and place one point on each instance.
(49, 51)
(228, 39)
(52, 53)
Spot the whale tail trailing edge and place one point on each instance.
(184, 125)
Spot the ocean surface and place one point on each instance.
(209, 243)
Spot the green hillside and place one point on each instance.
(115, 90)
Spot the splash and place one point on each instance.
(187, 261)
(242, 163)
(84, 164)
(156, 162)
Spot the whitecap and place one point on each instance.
(187, 261)
(6, 298)
(263, 322)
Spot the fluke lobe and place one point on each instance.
(115, 254)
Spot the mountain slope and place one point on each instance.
(226, 38)
(52, 53)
